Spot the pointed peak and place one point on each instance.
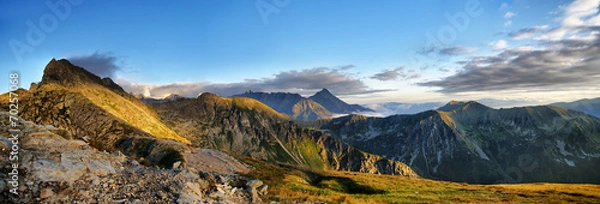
(64, 73)
(324, 90)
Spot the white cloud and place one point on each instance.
(577, 15)
(507, 23)
(509, 14)
(578, 11)
(504, 5)
(498, 45)
(399, 72)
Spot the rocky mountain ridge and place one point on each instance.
(468, 141)
(245, 126)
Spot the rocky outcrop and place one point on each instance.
(55, 169)
(59, 107)
(95, 110)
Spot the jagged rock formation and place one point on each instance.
(245, 126)
(467, 141)
(56, 169)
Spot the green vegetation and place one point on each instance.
(290, 183)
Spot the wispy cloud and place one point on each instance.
(526, 33)
(573, 66)
(397, 73)
(451, 50)
(509, 14)
(458, 50)
(498, 45)
(559, 64)
(101, 64)
(580, 14)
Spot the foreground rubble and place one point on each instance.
(54, 169)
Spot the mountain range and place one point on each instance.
(319, 106)
(101, 113)
(470, 142)
(72, 109)
(589, 106)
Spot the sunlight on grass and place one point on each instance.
(290, 184)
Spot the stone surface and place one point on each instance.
(58, 170)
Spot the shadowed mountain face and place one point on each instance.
(467, 141)
(99, 112)
(589, 106)
(242, 125)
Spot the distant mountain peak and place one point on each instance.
(173, 96)
(461, 105)
(334, 104)
(324, 92)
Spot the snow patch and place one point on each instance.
(570, 163)
(561, 147)
(480, 152)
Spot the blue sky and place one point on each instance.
(364, 52)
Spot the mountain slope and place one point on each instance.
(334, 104)
(97, 111)
(291, 104)
(589, 106)
(467, 141)
(245, 126)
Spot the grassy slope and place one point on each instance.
(136, 114)
(289, 184)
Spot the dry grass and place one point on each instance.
(290, 184)
(138, 115)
